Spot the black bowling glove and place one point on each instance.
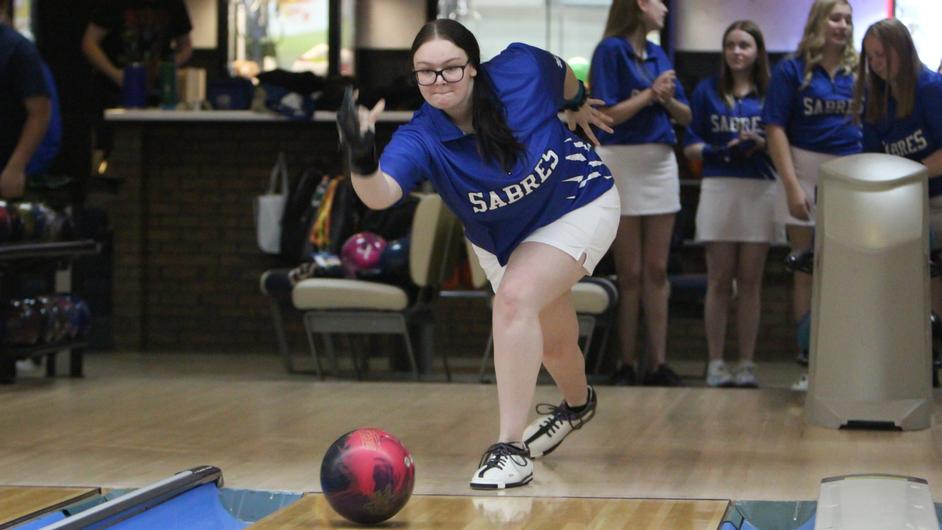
(718, 154)
(801, 262)
(741, 151)
(358, 147)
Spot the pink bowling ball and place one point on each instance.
(361, 251)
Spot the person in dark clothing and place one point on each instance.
(25, 106)
(125, 32)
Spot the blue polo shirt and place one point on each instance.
(716, 123)
(617, 74)
(556, 173)
(815, 118)
(916, 136)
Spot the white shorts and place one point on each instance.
(738, 210)
(646, 176)
(587, 231)
(807, 164)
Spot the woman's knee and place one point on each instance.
(655, 272)
(720, 282)
(630, 279)
(512, 303)
(749, 283)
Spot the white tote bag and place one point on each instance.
(270, 207)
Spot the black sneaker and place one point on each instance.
(545, 434)
(625, 376)
(662, 376)
(502, 466)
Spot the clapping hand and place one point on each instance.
(664, 86)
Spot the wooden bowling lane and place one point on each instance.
(18, 504)
(497, 511)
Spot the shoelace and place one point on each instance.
(558, 415)
(497, 454)
(747, 370)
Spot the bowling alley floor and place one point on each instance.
(135, 419)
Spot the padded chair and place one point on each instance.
(344, 306)
(594, 299)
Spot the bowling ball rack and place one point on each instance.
(14, 260)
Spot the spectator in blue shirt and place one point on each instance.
(808, 121)
(901, 104)
(636, 81)
(735, 216)
(535, 200)
(25, 107)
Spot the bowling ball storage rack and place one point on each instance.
(48, 257)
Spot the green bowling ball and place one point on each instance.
(580, 67)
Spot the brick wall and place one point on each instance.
(187, 267)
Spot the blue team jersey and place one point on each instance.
(815, 118)
(617, 74)
(556, 173)
(916, 136)
(716, 123)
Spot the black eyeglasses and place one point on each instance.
(452, 74)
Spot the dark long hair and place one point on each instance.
(624, 17)
(495, 140)
(760, 68)
(894, 36)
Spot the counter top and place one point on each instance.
(161, 115)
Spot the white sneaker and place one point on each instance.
(718, 374)
(502, 466)
(745, 375)
(801, 385)
(545, 434)
(26, 366)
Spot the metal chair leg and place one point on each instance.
(331, 352)
(311, 346)
(488, 351)
(280, 336)
(404, 331)
(354, 356)
(603, 349)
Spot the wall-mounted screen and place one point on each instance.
(269, 34)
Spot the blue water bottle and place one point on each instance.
(134, 87)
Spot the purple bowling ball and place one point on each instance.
(362, 251)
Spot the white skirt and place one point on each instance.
(646, 176)
(587, 231)
(807, 164)
(738, 210)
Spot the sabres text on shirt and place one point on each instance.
(510, 194)
(816, 107)
(913, 143)
(721, 123)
